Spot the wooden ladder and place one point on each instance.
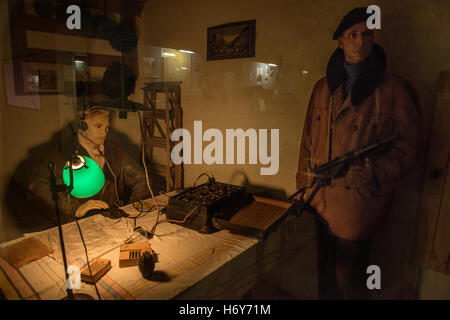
(157, 136)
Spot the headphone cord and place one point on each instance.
(141, 211)
(208, 174)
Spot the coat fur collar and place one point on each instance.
(372, 73)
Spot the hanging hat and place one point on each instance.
(355, 16)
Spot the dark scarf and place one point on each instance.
(369, 78)
(353, 71)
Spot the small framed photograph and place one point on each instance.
(40, 78)
(13, 98)
(232, 40)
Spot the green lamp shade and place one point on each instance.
(88, 177)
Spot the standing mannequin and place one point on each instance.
(357, 104)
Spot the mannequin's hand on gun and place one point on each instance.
(360, 175)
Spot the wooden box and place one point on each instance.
(130, 253)
(256, 219)
(98, 267)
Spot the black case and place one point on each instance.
(216, 206)
(206, 201)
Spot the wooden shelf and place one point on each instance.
(156, 142)
(172, 116)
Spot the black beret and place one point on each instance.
(355, 16)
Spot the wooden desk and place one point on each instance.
(191, 265)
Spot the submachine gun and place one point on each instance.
(333, 169)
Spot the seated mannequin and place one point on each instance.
(89, 138)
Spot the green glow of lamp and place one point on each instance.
(88, 178)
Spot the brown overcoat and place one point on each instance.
(353, 211)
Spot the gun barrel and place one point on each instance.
(352, 155)
(331, 169)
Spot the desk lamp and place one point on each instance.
(83, 178)
(88, 178)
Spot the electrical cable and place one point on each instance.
(162, 193)
(141, 211)
(119, 202)
(138, 215)
(196, 208)
(208, 174)
(152, 232)
(84, 245)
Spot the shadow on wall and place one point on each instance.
(22, 215)
(259, 190)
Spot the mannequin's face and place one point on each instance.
(98, 127)
(357, 42)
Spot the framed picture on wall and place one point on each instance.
(36, 78)
(232, 40)
(12, 98)
(40, 78)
